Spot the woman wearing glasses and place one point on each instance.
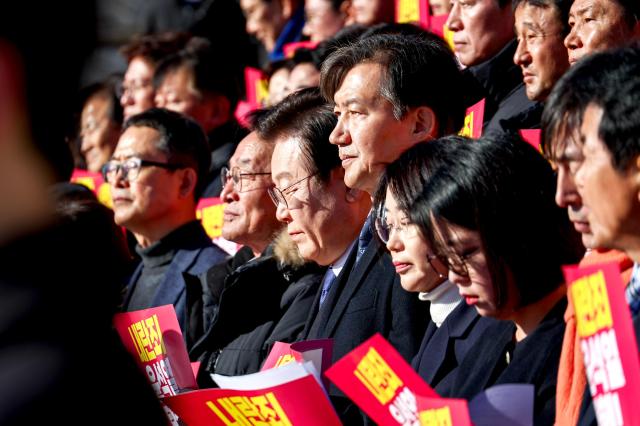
(454, 326)
(494, 220)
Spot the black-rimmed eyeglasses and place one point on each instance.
(237, 177)
(279, 196)
(130, 168)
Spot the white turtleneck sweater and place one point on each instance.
(444, 300)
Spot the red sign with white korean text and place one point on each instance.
(94, 182)
(289, 49)
(210, 212)
(473, 120)
(376, 377)
(413, 12)
(607, 340)
(298, 402)
(154, 339)
(531, 136)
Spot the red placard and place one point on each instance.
(607, 340)
(298, 402)
(376, 377)
(94, 182)
(473, 121)
(289, 49)
(413, 12)
(210, 212)
(438, 25)
(257, 86)
(318, 351)
(154, 339)
(443, 412)
(532, 136)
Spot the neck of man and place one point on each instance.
(529, 317)
(162, 227)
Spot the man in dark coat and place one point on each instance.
(484, 42)
(377, 86)
(156, 177)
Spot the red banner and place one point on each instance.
(473, 120)
(154, 339)
(607, 340)
(299, 402)
(532, 136)
(257, 86)
(380, 382)
(210, 212)
(289, 49)
(319, 352)
(443, 412)
(94, 182)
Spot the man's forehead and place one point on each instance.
(535, 17)
(360, 84)
(251, 152)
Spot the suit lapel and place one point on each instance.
(353, 281)
(170, 290)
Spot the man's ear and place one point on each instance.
(188, 183)
(425, 123)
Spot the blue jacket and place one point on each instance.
(201, 255)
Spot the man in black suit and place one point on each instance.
(607, 122)
(380, 90)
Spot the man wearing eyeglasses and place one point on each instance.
(156, 177)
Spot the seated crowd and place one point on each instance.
(355, 204)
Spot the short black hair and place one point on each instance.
(181, 139)
(209, 75)
(306, 116)
(561, 6)
(504, 189)
(609, 80)
(406, 177)
(420, 71)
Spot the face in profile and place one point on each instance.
(249, 216)
(148, 196)
(371, 12)
(278, 85)
(137, 87)
(316, 212)
(177, 93)
(596, 25)
(568, 160)
(610, 194)
(322, 21)
(368, 135)
(264, 20)
(414, 260)
(541, 53)
(481, 28)
(302, 76)
(469, 270)
(98, 132)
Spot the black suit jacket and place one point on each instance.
(366, 299)
(535, 360)
(443, 349)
